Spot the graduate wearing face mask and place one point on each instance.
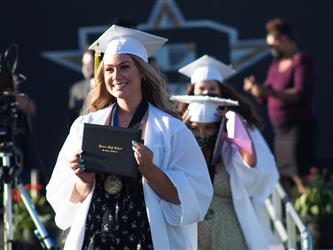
(244, 174)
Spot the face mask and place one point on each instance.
(276, 53)
(210, 95)
(207, 142)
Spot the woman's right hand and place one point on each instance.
(86, 179)
(258, 91)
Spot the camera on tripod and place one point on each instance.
(11, 118)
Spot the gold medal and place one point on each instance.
(112, 185)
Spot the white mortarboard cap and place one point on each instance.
(203, 113)
(121, 40)
(203, 109)
(207, 68)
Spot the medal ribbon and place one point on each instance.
(137, 117)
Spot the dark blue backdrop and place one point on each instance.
(39, 26)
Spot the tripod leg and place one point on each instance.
(8, 216)
(49, 244)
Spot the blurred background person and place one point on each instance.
(25, 140)
(15, 122)
(289, 93)
(22, 136)
(80, 90)
(24, 102)
(153, 62)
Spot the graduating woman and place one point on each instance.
(245, 174)
(173, 190)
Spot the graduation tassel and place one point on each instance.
(96, 62)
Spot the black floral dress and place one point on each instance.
(118, 221)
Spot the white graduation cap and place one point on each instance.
(203, 109)
(121, 40)
(207, 68)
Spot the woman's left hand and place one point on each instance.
(144, 157)
(155, 177)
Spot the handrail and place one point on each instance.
(287, 223)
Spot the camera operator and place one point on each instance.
(24, 103)
(26, 109)
(16, 110)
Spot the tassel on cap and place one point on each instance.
(97, 61)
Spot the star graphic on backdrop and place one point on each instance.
(166, 14)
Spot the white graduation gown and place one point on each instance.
(175, 152)
(250, 186)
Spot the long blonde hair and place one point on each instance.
(153, 89)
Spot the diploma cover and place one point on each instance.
(108, 150)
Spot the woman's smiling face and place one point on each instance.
(122, 77)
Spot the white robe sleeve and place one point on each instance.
(60, 186)
(251, 184)
(259, 181)
(188, 172)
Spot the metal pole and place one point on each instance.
(278, 225)
(291, 229)
(8, 217)
(49, 244)
(306, 239)
(294, 225)
(7, 203)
